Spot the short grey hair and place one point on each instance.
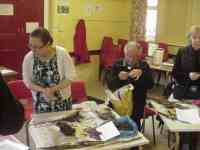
(193, 29)
(131, 44)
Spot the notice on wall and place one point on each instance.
(99, 8)
(63, 7)
(30, 26)
(89, 9)
(6, 9)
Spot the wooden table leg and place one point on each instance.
(176, 144)
(141, 148)
(177, 135)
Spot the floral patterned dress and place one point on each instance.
(45, 74)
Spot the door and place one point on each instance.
(9, 31)
(15, 16)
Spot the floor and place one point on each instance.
(95, 88)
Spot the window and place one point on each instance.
(151, 20)
(152, 48)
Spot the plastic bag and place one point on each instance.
(121, 100)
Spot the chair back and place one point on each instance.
(19, 90)
(78, 91)
(23, 94)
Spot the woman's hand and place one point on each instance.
(49, 92)
(123, 75)
(135, 74)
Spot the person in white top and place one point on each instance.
(48, 72)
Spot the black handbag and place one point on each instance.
(193, 92)
(168, 90)
(186, 92)
(179, 91)
(11, 111)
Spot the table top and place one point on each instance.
(165, 66)
(174, 125)
(162, 67)
(11, 142)
(113, 145)
(139, 140)
(10, 137)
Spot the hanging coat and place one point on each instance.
(80, 45)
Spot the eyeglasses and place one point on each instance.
(35, 47)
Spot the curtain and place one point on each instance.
(138, 19)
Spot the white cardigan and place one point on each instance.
(65, 64)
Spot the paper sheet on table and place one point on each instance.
(172, 99)
(188, 115)
(10, 145)
(47, 136)
(168, 64)
(108, 131)
(4, 71)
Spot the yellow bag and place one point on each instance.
(122, 101)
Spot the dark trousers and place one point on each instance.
(137, 116)
(137, 121)
(135, 148)
(189, 139)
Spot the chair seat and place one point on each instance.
(149, 112)
(28, 107)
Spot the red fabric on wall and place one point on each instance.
(80, 45)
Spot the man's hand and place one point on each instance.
(135, 74)
(194, 76)
(123, 75)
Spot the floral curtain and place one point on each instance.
(138, 19)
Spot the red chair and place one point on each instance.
(106, 47)
(109, 54)
(78, 92)
(23, 94)
(106, 44)
(164, 46)
(145, 46)
(112, 57)
(122, 43)
(148, 112)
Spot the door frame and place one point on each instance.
(47, 13)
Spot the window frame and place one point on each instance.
(155, 8)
